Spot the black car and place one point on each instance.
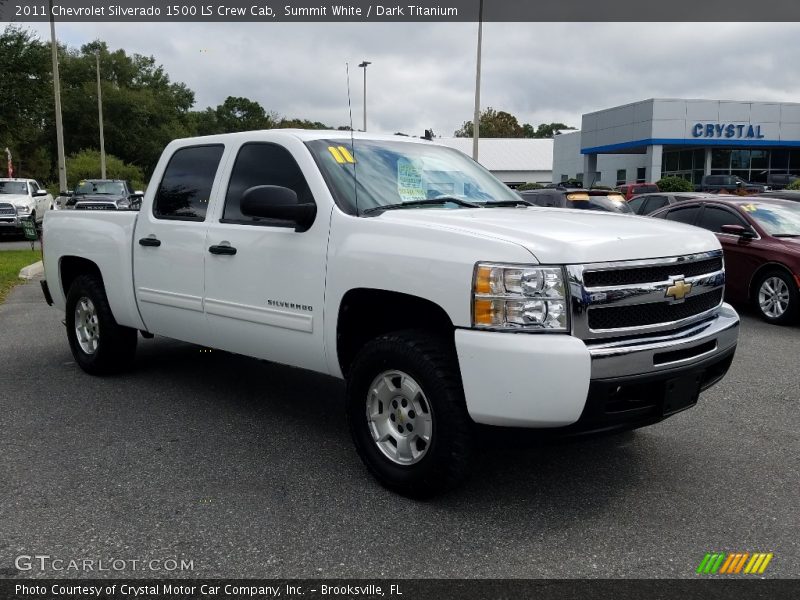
(105, 194)
(644, 204)
(581, 199)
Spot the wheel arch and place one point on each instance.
(72, 267)
(770, 266)
(365, 313)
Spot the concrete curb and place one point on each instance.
(31, 271)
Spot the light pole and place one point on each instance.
(100, 117)
(62, 166)
(364, 66)
(477, 117)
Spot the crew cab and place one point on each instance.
(22, 199)
(405, 268)
(731, 184)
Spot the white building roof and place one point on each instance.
(507, 154)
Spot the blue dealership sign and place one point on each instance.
(727, 130)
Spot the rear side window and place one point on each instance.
(714, 217)
(685, 214)
(654, 203)
(185, 189)
(262, 164)
(636, 204)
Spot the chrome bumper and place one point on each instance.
(666, 352)
(11, 222)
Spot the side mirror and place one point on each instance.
(276, 202)
(139, 193)
(39, 193)
(739, 230)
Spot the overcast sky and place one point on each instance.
(423, 75)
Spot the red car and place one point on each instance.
(629, 190)
(760, 238)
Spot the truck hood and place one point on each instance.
(16, 199)
(567, 236)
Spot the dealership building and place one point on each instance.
(651, 139)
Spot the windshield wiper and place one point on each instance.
(501, 203)
(426, 202)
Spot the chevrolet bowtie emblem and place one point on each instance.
(678, 290)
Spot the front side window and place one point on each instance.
(376, 173)
(262, 164)
(636, 204)
(185, 189)
(714, 217)
(654, 203)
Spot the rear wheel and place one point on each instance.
(100, 346)
(407, 414)
(776, 297)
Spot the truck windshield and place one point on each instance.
(107, 188)
(13, 187)
(396, 172)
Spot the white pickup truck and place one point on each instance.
(440, 296)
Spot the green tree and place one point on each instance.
(674, 184)
(545, 130)
(530, 186)
(243, 114)
(86, 165)
(26, 107)
(795, 185)
(493, 124)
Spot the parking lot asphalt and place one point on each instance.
(15, 242)
(246, 469)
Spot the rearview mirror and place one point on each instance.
(742, 232)
(276, 202)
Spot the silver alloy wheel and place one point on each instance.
(773, 297)
(399, 417)
(87, 328)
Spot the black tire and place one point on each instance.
(791, 312)
(433, 365)
(116, 345)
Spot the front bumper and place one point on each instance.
(10, 222)
(558, 381)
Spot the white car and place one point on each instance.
(408, 270)
(22, 199)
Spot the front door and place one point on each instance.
(265, 282)
(169, 245)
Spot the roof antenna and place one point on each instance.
(352, 139)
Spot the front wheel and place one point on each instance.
(100, 346)
(407, 414)
(777, 297)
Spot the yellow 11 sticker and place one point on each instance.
(749, 207)
(341, 154)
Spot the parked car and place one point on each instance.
(732, 184)
(438, 294)
(779, 181)
(581, 199)
(761, 240)
(105, 194)
(22, 199)
(644, 204)
(629, 190)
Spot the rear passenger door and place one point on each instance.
(264, 296)
(169, 244)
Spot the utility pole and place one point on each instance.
(100, 117)
(62, 165)
(364, 65)
(476, 119)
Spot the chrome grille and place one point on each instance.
(626, 298)
(7, 209)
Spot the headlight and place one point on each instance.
(519, 298)
(23, 210)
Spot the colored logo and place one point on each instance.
(734, 563)
(678, 290)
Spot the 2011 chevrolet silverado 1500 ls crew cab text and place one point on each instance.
(441, 296)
